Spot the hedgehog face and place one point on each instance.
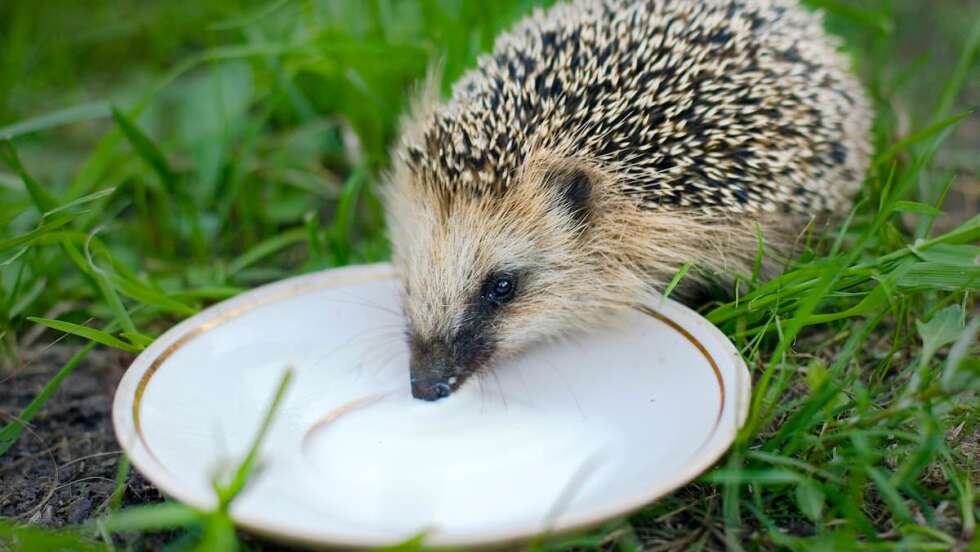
(486, 274)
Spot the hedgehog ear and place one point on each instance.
(573, 187)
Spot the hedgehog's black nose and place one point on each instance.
(430, 391)
(441, 390)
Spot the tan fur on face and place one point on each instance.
(446, 246)
(697, 120)
(575, 276)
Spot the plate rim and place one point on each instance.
(127, 428)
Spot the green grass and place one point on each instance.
(163, 156)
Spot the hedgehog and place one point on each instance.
(600, 146)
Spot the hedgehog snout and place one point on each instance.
(430, 391)
(431, 382)
(433, 375)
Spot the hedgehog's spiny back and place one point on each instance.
(716, 104)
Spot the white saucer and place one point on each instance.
(565, 437)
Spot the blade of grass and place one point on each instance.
(28, 238)
(757, 263)
(954, 84)
(266, 248)
(218, 535)
(922, 456)
(889, 494)
(71, 115)
(340, 231)
(91, 334)
(150, 517)
(875, 20)
(25, 298)
(145, 295)
(146, 149)
(35, 539)
(122, 475)
(918, 137)
(102, 286)
(676, 279)
(86, 199)
(227, 493)
(43, 199)
(806, 308)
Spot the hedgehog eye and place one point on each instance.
(500, 289)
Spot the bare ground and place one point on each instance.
(62, 470)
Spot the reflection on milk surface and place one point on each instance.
(409, 465)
